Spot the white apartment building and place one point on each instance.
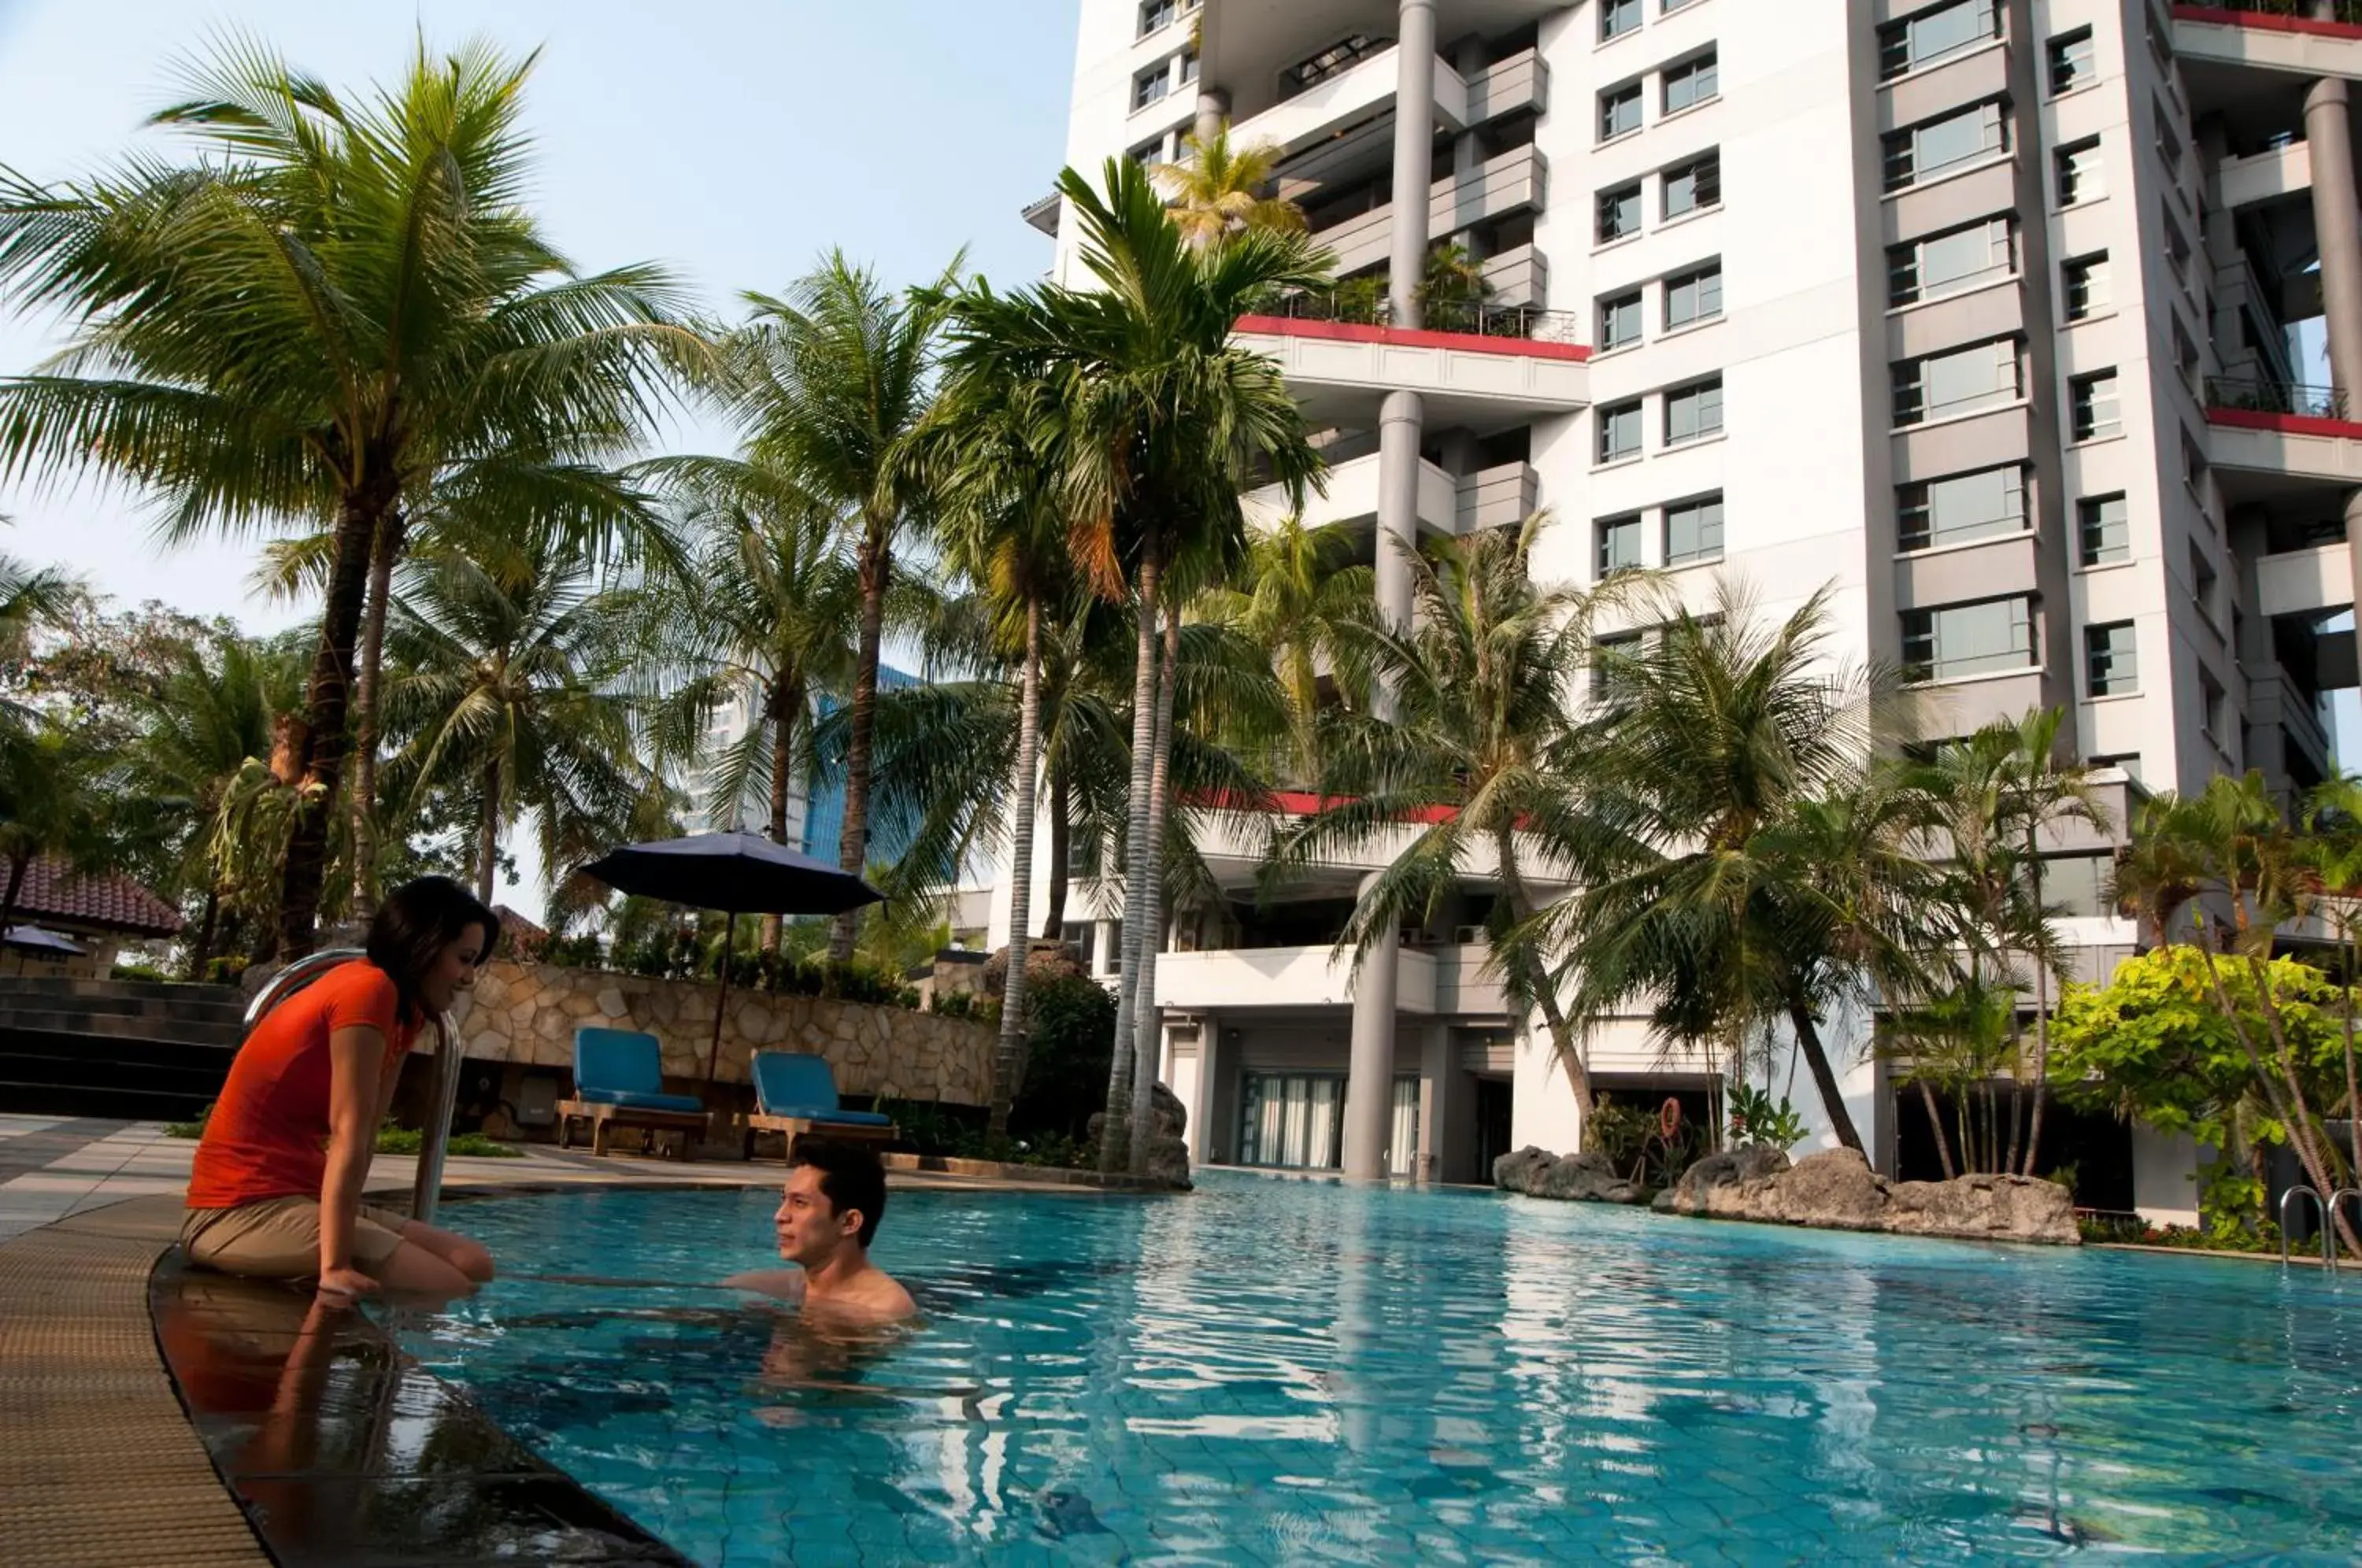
(1980, 312)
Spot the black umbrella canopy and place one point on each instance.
(740, 873)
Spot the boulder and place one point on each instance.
(1836, 1190)
(1167, 1149)
(1585, 1177)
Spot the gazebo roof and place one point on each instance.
(55, 894)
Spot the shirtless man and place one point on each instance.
(835, 1196)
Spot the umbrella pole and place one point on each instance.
(729, 951)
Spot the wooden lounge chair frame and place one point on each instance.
(791, 1128)
(604, 1118)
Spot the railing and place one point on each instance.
(1334, 60)
(2275, 397)
(2349, 11)
(1476, 318)
(427, 1187)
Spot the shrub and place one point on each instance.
(1070, 1048)
(409, 1140)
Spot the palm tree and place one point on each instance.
(336, 307)
(28, 599)
(504, 684)
(2333, 825)
(759, 610)
(1703, 893)
(1220, 189)
(1300, 598)
(1479, 750)
(55, 801)
(830, 385)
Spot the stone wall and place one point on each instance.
(527, 1013)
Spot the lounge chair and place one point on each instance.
(796, 1094)
(619, 1082)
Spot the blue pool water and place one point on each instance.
(1281, 1371)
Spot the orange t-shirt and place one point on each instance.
(269, 1132)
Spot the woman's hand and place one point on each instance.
(345, 1285)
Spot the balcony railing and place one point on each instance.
(1476, 318)
(2275, 397)
(2349, 11)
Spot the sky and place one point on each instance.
(736, 142)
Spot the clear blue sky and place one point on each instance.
(736, 142)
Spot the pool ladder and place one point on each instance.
(2328, 1220)
(426, 1190)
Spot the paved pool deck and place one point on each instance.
(100, 1464)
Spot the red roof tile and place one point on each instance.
(106, 901)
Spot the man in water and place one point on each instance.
(826, 1218)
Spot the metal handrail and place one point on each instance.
(2328, 1236)
(1468, 318)
(2348, 11)
(2249, 394)
(434, 1146)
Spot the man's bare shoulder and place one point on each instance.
(872, 1297)
(786, 1284)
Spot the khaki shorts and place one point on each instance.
(279, 1238)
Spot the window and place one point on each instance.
(1149, 87)
(1606, 654)
(1952, 262)
(1157, 15)
(2070, 62)
(2201, 582)
(1963, 507)
(2168, 146)
(1619, 212)
(1694, 185)
(1693, 412)
(1082, 936)
(1694, 296)
(1620, 544)
(2102, 527)
(2127, 763)
(1931, 35)
(2087, 286)
(1619, 430)
(2111, 668)
(2078, 173)
(2077, 885)
(1968, 639)
(1693, 531)
(1149, 153)
(2091, 406)
(2210, 717)
(1928, 150)
(1620, 111)
(1620, 321)
(1617, 18)
(1942, 385)
(1690, 85)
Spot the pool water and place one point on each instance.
(1274, 1371)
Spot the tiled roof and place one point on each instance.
(106, 901)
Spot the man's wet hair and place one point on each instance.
(850, 1176)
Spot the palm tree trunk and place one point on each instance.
(1007, 1052)
(326, 696)
(1935, 1126)
(488, 833)
(861, 722)
(2352, 1088)
(1545, 991)
(17, 866)
(201, 947)
(1062, 858)
(383, 552)
(1115, 1129)
(1808, 1039)
(2041, 1061)
(1147, 1018)
(786, 702)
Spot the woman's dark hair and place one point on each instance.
(414, 924)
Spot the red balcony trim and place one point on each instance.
(2284, 423)
(2265, 22)
(1408, 337)
(1306, 803)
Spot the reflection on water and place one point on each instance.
(1277, 1371)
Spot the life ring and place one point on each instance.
(1669, 1119)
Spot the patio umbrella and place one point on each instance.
(737, 873)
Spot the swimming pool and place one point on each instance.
(1274, 1371)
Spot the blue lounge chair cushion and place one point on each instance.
(633, 1099)
(831, 1118)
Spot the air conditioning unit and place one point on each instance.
(1468, 933)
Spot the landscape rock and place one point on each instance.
(1168, 1150)
(1836, 1190)
(1586, 1177)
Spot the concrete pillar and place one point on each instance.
(2337, 232)
(1201, 1106)
(1370, 1068)
(1414, 153)
(1401, 428)
(1213, 111)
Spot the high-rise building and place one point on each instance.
(1990, 316)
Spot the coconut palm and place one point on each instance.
(1298, 597)
(1476, 754)
(56, 800)
(334, 306)
(829, 385)
(1220, 189)
(28, 599)
(504, 684)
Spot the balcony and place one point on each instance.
(1492, 498)
(2275, 175)
(1483, 366)
(1498, 497)
(1512, 182)
(1519, 277)
(1347, 98)
(2270, 35)
(1520, 81)
(2265, 427)
(1428, 982)
(2305, 582)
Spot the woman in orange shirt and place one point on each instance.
(276, 1189)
